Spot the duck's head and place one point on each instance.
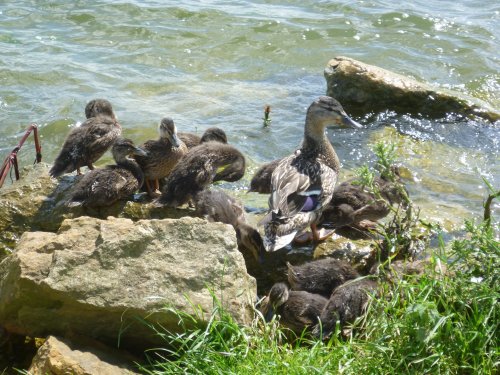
(99, 107)
(327, 112)
(168, 130)
(278, 295)
(124, 149)
(214, 134)
(250, 240)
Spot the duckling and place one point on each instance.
(346, 304)
(103, 187)
(202, 165)
(298, 310)
(303, 183)
(261, 180)
(162, 155)
(320, 276)
(216, 205)
(211, 134)
(353, 205)
(85, 144)
(98, 107)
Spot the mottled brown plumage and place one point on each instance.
(347, 303)
(98, 107)
(162, 155)
(353, 203)
(103, 187)
(320, 276)
(202, 165)
(297, 310)
(86, 143)
(216, 205)
(302, 184)
(261, 180)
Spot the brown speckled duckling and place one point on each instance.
(302, 184)
(202, 165)
(298, 310)
(103, 187)
(86, 143)
(353, 205)
(162, 155)
(216, 205)
(261, 180)
(347, 303)
(211, 134)
(320, 276)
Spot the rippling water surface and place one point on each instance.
(217, 63)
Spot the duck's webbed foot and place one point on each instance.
(152, 193)
(320, 234)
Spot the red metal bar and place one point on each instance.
(11, 159)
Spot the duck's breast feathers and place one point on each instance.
(300, 185)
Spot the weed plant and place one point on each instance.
(443, 321)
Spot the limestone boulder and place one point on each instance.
(37, 202)
(106, 279)
(58, 357)
(364, 88)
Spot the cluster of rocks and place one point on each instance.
(91, 280)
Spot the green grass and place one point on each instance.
(430, 324)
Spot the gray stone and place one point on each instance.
(100, 278)
(62, 357)
(363, 88)
(37, 202)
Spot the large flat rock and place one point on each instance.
(98, 278)
(364, 88)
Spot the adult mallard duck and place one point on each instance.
(320, 276)
(162, 155)
(298, 310)
(211, 134)
(103, 187)
(216, 205)
(303, 183)
(86, 143)
(202, 165)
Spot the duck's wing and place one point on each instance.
(99, 132)
(300, 186)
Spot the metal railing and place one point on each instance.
(11, 159)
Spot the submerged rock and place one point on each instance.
(105, 278)
(363, 88)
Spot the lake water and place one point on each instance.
(217, 63)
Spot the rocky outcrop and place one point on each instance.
(106, 278)
(58, 357)
(363, 88)
(37, 202)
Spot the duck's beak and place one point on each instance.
(139, 152)
(176, 142)
(349, 122)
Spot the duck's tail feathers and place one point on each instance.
(274, 242)
(60, 167)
